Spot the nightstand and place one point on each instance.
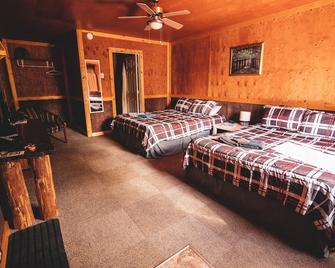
(226, 127)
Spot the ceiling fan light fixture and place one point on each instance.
(156, 24)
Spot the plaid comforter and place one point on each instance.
(164, 125)
(305, 188)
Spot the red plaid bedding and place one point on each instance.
(305, 188)
(164, 125)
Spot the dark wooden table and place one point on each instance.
(12, 176)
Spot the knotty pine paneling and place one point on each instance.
(156, 104)
(190, 67)
(298, 66)
(154, 61)
(33, 82)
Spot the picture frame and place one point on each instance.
(246, 59)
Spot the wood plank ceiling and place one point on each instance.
(45, 20)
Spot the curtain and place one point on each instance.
(130, 63)
(124, 90)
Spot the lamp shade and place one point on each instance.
(245, 116)
(156, 25)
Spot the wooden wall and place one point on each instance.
(156, 59)
(298, 66)
(33, 86)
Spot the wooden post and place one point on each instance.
(13, 181)
(44, 186)
(24, 164)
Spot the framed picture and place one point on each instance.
(246, 59)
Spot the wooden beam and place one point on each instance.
(41, 98)
(29, 43)
(124, 37)
(67, 86)
(169, 70)
(156, 96)
(11, 77)
(81, 55)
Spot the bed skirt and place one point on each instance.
(163, 148)
(300, 232)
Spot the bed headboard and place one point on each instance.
(231, 110)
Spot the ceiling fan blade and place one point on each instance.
(176, 13)
(147, 28)
(172, 23)
(146, 8)
(132, 17)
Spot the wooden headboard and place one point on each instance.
(231, 110)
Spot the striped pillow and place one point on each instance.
(283, 117)
(318, 123)
(183, 105)
(202, 107)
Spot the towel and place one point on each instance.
(141, 115)
(242, 142)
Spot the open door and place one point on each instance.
(127, 81)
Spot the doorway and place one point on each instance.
(127, 81)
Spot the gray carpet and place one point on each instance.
(118, 209)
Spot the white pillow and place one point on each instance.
(215, 110)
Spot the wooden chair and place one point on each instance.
(53, 123)
(38, 246)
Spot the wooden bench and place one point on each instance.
(38, 246)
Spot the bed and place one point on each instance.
(161, 133)
(276, 181)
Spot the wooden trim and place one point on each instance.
(29, 43)
(11, 77)
(67, 86)
(112, 50)
(283, 13)
(3, 52)
(303, 104)
(109, 98)
(125, 37)
(101, 133)
(81, 55)
(111, 76)
(156, 96)
(142, 83)
(169, 70)
(39, 98)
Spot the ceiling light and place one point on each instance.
(89, 36)
(156, 24)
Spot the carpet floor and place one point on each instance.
(118, 209)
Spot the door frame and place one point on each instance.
(112, 50)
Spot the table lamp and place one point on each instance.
(245, 118)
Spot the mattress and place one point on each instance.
(152, 129)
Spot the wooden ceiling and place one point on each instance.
(45, 20)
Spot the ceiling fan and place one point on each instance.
(156, 16)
